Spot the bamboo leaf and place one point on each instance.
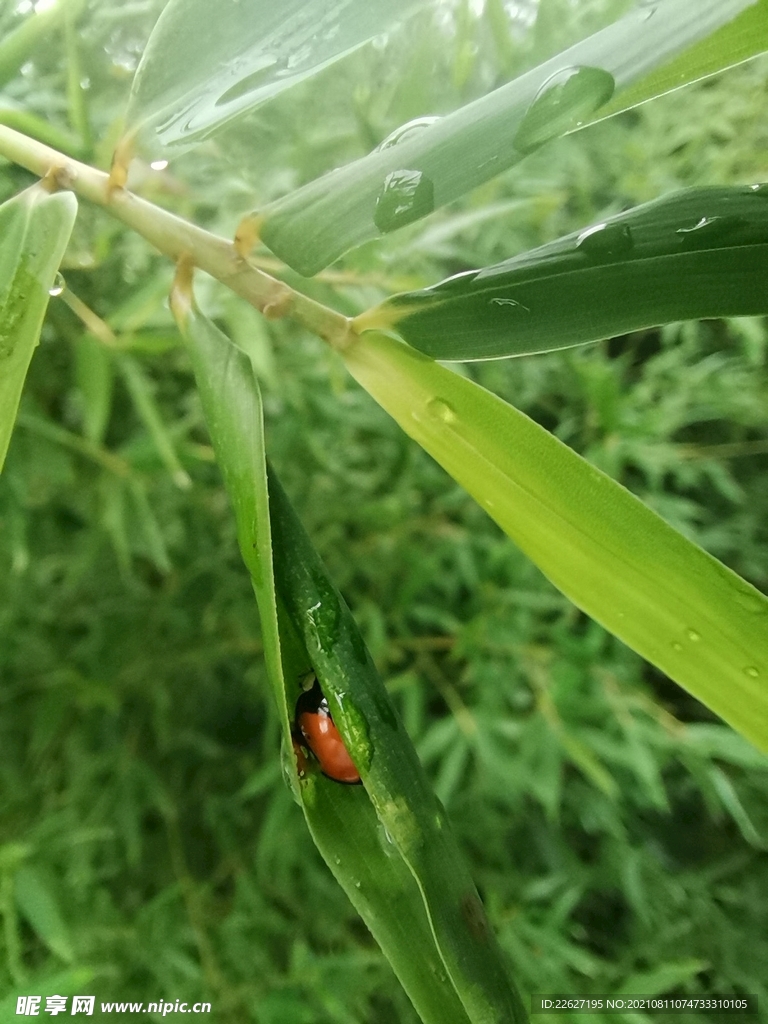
(388, 842)
(34, 230)
(417, 171)
(208, 61)
(612, 556)
(38, 904)
(695, 254)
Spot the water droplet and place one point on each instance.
(605, 241)
(677, 647)
(709, 232)
(509, 303)
(58, 286)
(693, 635)
(406, 131)
(324, 614)
(159, 165)
(564, 102)
(405, 197)
(337, 860)
(760, 190)
(439, 409)
(357, 885)
(752, 672)
(85, 83)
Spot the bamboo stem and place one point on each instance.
(177, 238)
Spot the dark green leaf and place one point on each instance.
(696, 254)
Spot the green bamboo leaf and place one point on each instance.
(34, 230)
(410, 817)
(696, 254)
(361, 831)
(737, 41)
(208, 61)
(94, 373)
(144, 402)
(418, 170)
(38, 904)
(613, 557)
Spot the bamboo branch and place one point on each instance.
(177, 238)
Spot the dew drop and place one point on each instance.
(159, 165)
(604, 241)
(508, 303)
(693, 635)
(752, 672)
(406, 131)
(677, 647)
(58, 286)
(709, 232)
(405, 197)
(564, 102)
(439, 409)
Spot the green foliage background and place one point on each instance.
(616, 830)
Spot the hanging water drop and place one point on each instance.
(58, 286)
(564, 102)
(406, 131)
(406, 196)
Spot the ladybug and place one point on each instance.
(314, 729)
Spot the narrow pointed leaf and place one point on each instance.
(209, 60)
(362, 832)
(429, 167)
(410, 818)
(695, 254)
(34, 230)
(613, 557)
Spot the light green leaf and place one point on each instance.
(663, 979)
(737, 41)
(696, 254)
(429, 167)
(34, 230)
(63, 983)
(388, 842)
(94, 373)
(209, 60)
(612, 556)
(38, 904)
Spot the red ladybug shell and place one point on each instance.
(314, 723)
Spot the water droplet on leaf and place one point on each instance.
(677, 647)
(564, 102)
(605, 241)
(405, 197)
(693, 635)
(406, 131)
(752, 672)
(439, 409)
(58, 286)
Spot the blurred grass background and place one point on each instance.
(616, 830)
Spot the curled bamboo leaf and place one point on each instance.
(695, 254)
(34, 230)
(387, 842)
(602, 547)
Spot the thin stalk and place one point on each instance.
(177, 238)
